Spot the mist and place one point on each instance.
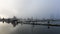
(30, 8)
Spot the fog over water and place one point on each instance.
(26, 9)
(6, 28)
(30, 8)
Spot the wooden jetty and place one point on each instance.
(42, 24)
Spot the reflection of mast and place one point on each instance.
(33, 28)
(21, 23)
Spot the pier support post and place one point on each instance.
(48, 24)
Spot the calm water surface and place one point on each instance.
(6, 28)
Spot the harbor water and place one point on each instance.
(8, 28)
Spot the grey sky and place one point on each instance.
(30, 8)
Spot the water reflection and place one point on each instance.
(20, 28)
(16, 23)
(5, 28)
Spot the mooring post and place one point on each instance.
(48, 23)
(3, 20)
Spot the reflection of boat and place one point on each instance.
(14, 21)
(14, 24)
